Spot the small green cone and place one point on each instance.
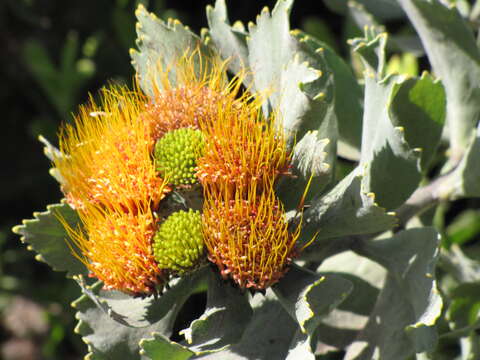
(178, 242)
(176, 154)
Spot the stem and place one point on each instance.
(423, 198)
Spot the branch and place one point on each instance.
(423, 198)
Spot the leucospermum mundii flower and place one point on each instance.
(109, 177)
(115, 246)
(201, 88)
(242, 148)
(245, 227)
(108, 154)
(247, 235)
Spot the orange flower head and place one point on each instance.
(116, 247)
(109, 176)
(242, 147)
(247, 235)
(107, 154)
(196, 96)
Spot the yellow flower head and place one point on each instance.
(109, 177)
(242, 147)
(108, 154)
(247, 235)
(116, 247)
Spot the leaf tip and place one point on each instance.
(17, 229)
(140, 10)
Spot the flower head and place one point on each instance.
(194, 95)
(109, 177)
(108, 154)
(116, 247)
(242, 147)
(247, 235)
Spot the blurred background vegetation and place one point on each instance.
(53, 54)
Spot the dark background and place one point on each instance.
(52, 55)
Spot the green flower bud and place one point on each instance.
(178, 242)
(176, 154)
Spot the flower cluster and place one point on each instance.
(122, 159)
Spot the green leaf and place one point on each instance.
(108, 339)
(301, 347)
(112, 324)
(292, 75)
(309, 156)
(301, 89)
(344, 210)
(460, 267)
(464, 310)
(46, 235)
(362, 17)
(307, 296)
(371, 48)
(227, 314)
(231, 42)
(271, 36)
(307, 101)
(405, 64)
(419, 107)
(160, 347)
(455, 58)
(309, 159)
(404, 317)
(142, 312)
(340, 327)
(320, 30)
(392, 164)
(470, 346)
(160, 46)
(402, 41)
(268, 335)
(465, 227)
(348, 93)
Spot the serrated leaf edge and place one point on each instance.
(17, 229)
